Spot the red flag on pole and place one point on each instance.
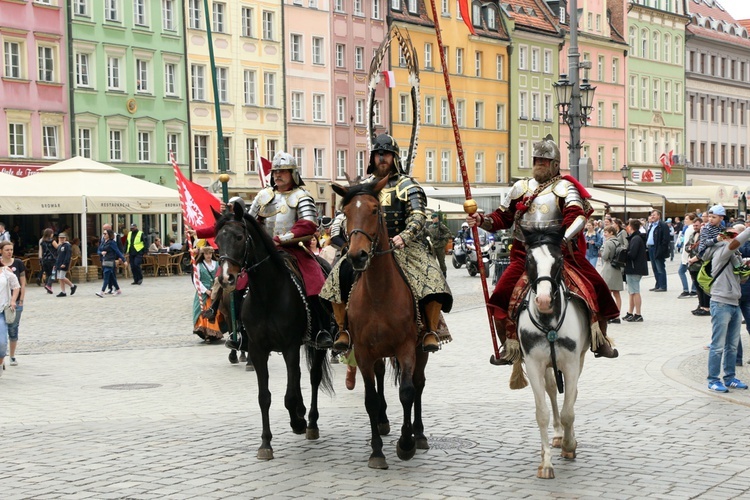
(264, 168)
(463, 6)
(195, 200)
(666, 162)
(670, 161)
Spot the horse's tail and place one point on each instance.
(326, 379)
(518, 377)
(396, 370)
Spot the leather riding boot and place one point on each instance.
(430, 341)
(321, 322)
(343, 342)
(500, 331)
(605, 349)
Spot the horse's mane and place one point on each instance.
(543, 236)
(261, 234)
(357, 189)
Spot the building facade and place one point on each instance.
(34, 101)
(130, 92)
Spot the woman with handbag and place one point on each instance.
(7, 261)
(10, 289)
(110, 253)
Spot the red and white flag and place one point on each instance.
(195, 200)
(264, 168)
(390, 79)
(667, 161)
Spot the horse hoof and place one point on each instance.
(384, 429)
(312, 434)
(249, 367)
(557, 442)
(233, 357)
(377, 463)
(405, 454)
(545, 473)
(568, 454)
(422, 443)
(265, 454)
(243, 357)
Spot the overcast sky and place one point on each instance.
(740, 9)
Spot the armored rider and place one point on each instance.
(546, 200)
(404, 204)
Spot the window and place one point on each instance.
(667, 96)
(249, 87)
(600, 157)
(644, 93)
(429, 110)
(16, 140)
(46, 64)
(445, 166)
(197, 82)
(446, 55)
(412, 5)
(376, 113)
(615, 158)
(317, 50)
(339, 6)
(112, 10)
(115, 145)
(632, 91)
(479, 166)
(295, 47)
(222, 83)
(173, 145)
(678, 98)
(82, 70)
(200, 152)
(534, 106)
(81, 8)
(461, 112)
(667, 51)
(500, 117)
(341, 110)
(460, 61)
(194, 11)
(318, 162)
(500, 66)
(359, 111)
(523, 99)
(522, 149)
(318, 107)
(598, 22)
(589, 21)
(428, 56)
(359, 57)
(268, 30)
(444, 9)
(600, 114)
(655, 44)
(227, 150)
(271, 146)
(615, 70)
(12, 51)
(547, 61)
(522, 56)
(247, 21)
(678, 50)
(84, 142)
(534, 59)
(631, 41)
(143, 82)
(615, 115)
(656, 100)
(443, 111)
(429, 165)
(340, 163)
(167, 15)
(144, 147)
(547, 108)
(375, 11)
(269, 89)
(219, 14)
(297, 106)
(340, 55)
(403, 108)
(49, 142)
(360, 164)
(632, 145)
(251, 164)
(170, 79)
(139, 13)
(113, 73)
(478, 64)
(600, 68)
(478, 115)
(401, 59)
(500, 167)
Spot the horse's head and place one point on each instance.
(231, 237)
(544, 264)
(364, 221)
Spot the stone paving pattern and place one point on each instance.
(647, 427)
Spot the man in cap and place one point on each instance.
(134, 248)
(547, 200)
(440, 235)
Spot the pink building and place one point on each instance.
(601, 42)
(33, 85)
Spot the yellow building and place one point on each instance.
(478, 66)
(248, 49)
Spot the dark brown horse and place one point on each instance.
(276, 318)
(382, 319)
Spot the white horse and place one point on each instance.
(553, 330)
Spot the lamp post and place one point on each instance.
(625, 171)
(573, 98)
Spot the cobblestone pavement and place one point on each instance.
(115, 398)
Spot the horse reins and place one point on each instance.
(248, 246)
(374, 240)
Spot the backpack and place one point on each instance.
(705, 279)
(620, 259)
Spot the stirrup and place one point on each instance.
(340, 345)
(322, 340)
(232, 344)
(606, 351)
(431, 347)
(502, 360)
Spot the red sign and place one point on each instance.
(19, 170)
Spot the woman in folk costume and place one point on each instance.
(207, 329)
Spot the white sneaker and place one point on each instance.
(1, 371)
(13, 362)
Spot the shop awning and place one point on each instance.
(450, 209)
(698, 196)
(615, 201)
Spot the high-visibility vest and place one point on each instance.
(138, 244)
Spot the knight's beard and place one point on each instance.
(383, 169)
(543, 173)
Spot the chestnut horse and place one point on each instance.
(382, 319)
(276, 318)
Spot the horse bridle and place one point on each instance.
(374, 240)
(249, 246)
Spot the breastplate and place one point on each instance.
(394, 208)
(278, 216)
(544, 212)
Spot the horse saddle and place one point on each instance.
(290, 261)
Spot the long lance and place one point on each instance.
(470, 206)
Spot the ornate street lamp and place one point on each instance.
(625, 171)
